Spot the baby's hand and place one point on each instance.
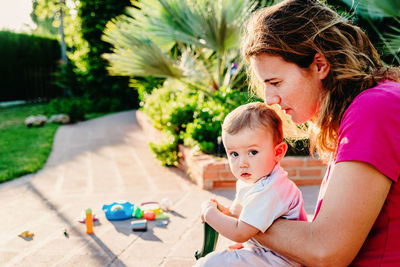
(205, 207)
(222, 208)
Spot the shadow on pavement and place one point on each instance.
(54, 208)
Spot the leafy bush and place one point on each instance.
(166, 152)
(27, 63)
(193, 118)
(203, 132)
(75, 107)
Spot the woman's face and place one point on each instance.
(296, 90)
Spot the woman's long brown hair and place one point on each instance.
(298, 29)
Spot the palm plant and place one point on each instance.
(193, 41)
(372, 10)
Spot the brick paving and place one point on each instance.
(94, 163)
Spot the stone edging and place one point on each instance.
(210, 172)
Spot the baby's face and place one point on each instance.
(251, 153)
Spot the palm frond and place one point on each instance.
(137, 55)
(375, 8)
(393, 39)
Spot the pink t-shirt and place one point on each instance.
(370, 132)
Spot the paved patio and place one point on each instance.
(94, 163)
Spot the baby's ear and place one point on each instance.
(280, 151)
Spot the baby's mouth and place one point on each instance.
(245, 175)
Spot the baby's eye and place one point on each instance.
(234, 154)
(253, 152)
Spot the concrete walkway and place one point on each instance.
(94, 163)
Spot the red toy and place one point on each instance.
(149, 215)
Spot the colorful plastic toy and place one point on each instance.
(26, 234)
(161, 216)
(82, 218)
(89, 221)
(66, 233)
(122, 211)
(137, 212)
(165, 204)
(151, 206)
(149, 215)
(139, 225)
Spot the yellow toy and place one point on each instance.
(26, 234)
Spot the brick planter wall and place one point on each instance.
(210, 172)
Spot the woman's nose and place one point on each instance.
(271, 98)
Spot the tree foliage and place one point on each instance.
(193, 41)
(381, 21)
(84, 22)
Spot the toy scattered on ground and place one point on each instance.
(162, 223)
(26, 234)
(139, 225)
(151, 206)
(149, 211)
(66, 233)
(137, 212)
(149, 215)
(89, 221)
(165, 204)
(82, 218)
(118, 210)
(162, 216)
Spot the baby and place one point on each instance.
(253, 140)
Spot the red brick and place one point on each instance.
(302, 182)
(314, 162)
(226, 175)
(224, 184)
(292, 162)
(310, 172)
(210, 175)
(292, 172)
(215, 167)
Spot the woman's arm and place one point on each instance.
(226, 225)
(353, 200)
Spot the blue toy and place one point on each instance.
(118, 210)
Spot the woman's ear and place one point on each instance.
(280, 151)
(322, 65)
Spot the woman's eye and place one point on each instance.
(234, 154)
(253, 152)
(275, 83)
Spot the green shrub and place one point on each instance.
(27, 64)
(166, 152)
(192, 118)
(75, 107)
(170, 107)
(203, 132)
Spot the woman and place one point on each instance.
(321, 69)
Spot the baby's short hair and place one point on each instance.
(253, 115)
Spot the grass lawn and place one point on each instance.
(25, 150)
